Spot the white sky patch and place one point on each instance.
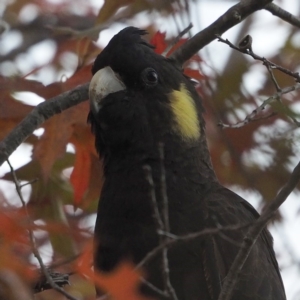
(64, 75)
(46, 253)
(42, 53)
(296, 39)
(254, 79)
(9, 191)
(9, 41)
(266, 45)
(88, 222)
(28, 13)
(54, 1)
(28, 98)
(290, 5)
(70, 148)
(69, 61)
(96, 4)
(69, 209)
(18, 158)
(39, 132)
(253, 197)
(287, 244)
(39, 233)
(66, 173)
(106, 35)
(38, 55)
(291, 222)
(46, 75)
(262, 157)
(8, 68)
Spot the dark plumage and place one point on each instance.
(159, 104)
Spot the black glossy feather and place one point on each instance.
(128, 129)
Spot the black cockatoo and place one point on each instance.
(139, 101)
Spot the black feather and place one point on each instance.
(129, 128)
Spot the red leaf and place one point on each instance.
(176, 46)
(158, 40)
(192, 73)
(81, 173)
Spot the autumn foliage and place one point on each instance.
(63, 175)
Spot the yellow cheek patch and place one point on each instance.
(185, 113)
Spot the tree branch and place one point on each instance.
(248, 50)
(175, 239)
(68, 99)
(282, 14)
(161, 224)
(39, 115)
(254, 232)
(232, 17)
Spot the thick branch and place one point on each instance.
(38, 115)
(254, 232)
(232, 17)
(282, 14)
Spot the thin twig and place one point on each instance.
(164, 189)
(32, 238)
(254, 232)
(249, 51)
(165, 213)
(278, 89)
(255, 112)
(29, 182)
(177, 39)
(156, 214)
(228, 239)
(175, 239)
(154, 288)
(245, 46)
(160, 226)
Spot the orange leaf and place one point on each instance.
(15, 246)
(122, 283)
(11, 260)
(81, 177)
(13, 226)
(52, 143)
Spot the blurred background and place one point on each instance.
(47, 47)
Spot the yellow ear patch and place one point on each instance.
(185, 113)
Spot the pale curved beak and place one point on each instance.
(104, 82)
